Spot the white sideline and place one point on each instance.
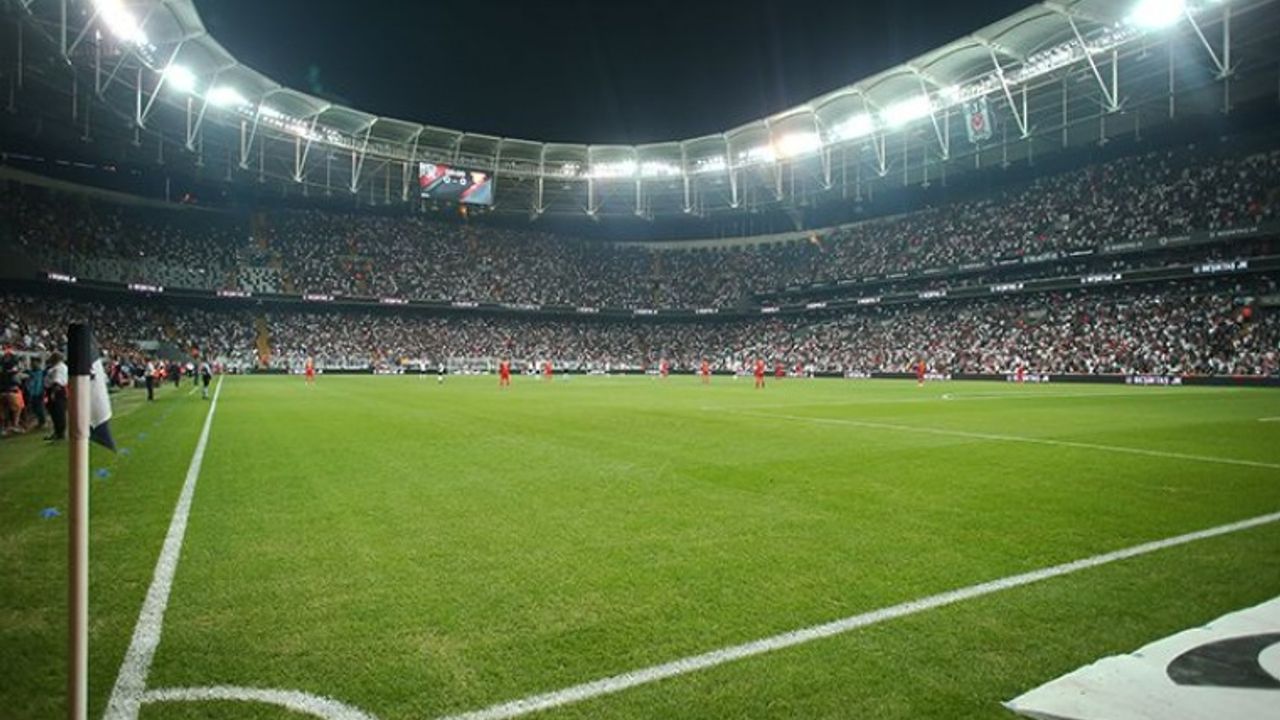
(1154, 392)
(1017, 438)
(617, 683)
(131, 683)
(300, 702)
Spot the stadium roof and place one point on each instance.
(180, 65)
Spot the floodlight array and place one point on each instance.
(874, 120)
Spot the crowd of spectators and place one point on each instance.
(129, 332)
(1202, 326)
(1159, 193)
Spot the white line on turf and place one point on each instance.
(1016, 438)
(1270, 419)
(1150, 393)
(131, 683)
(295, 700)
(617, 683)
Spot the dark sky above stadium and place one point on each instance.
(598, 71)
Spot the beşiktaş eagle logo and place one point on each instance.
(1234, 662)
(1229, 668)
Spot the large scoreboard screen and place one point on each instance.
(442, 182)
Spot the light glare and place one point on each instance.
(180, 78)
(855, 127)
(904, 111)
(226, 96)
(120, 21)
(1154, 14)
(800, 143)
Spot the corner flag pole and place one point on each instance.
(79, 362)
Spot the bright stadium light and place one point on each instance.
(120, 21)
(715, 163)
(226, 96)
(904, 111)
(857, 126)
(180, 78)
(1155, 14)
(615, 169)
(759, 154)
(799, 143)
(657, 168)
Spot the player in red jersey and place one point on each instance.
(664, 368)
(504, 374)
(310, 371)
(759, 374)
(1022, 373)
(705, 371)
(920, 373)
(548, 371)
(779, 371)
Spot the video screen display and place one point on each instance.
(442, 182)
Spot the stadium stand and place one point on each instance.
(1130, 199)
(1205, 327)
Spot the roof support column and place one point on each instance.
(684, 176)
(247, 135)
(1018, 117)
(410, 166)
(538, 205)
(194, 130)
(302, 150)
(1112, 100)
(358, 157)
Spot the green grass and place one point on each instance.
(418, 550)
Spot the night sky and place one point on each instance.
(602, 71)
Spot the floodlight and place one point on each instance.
(226, 96)
(657, 168)
(904, 111)
(759, 154)
(800, 143)
(616, 169)
(1155, 14)
(714, 163)
(120, 21)
(853, 127)
(180, 78)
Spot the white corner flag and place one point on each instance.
(100, 407)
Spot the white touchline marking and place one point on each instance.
(1150, 392)
(1017, 438)
(1270, 419)
(693, 663)
(295, 700)
(131, 683)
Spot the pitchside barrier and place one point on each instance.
(1028, 378)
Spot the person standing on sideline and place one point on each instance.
(35, 394)
(152, 370)
(55, 389)
(310, 371)
(206, 375)
(705, 371)
(759, 373)
(504, 374)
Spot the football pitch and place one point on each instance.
(394, 548)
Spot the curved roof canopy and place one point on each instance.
(169, 38)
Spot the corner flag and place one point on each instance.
(100, 407)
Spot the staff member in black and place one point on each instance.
(55, 392)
